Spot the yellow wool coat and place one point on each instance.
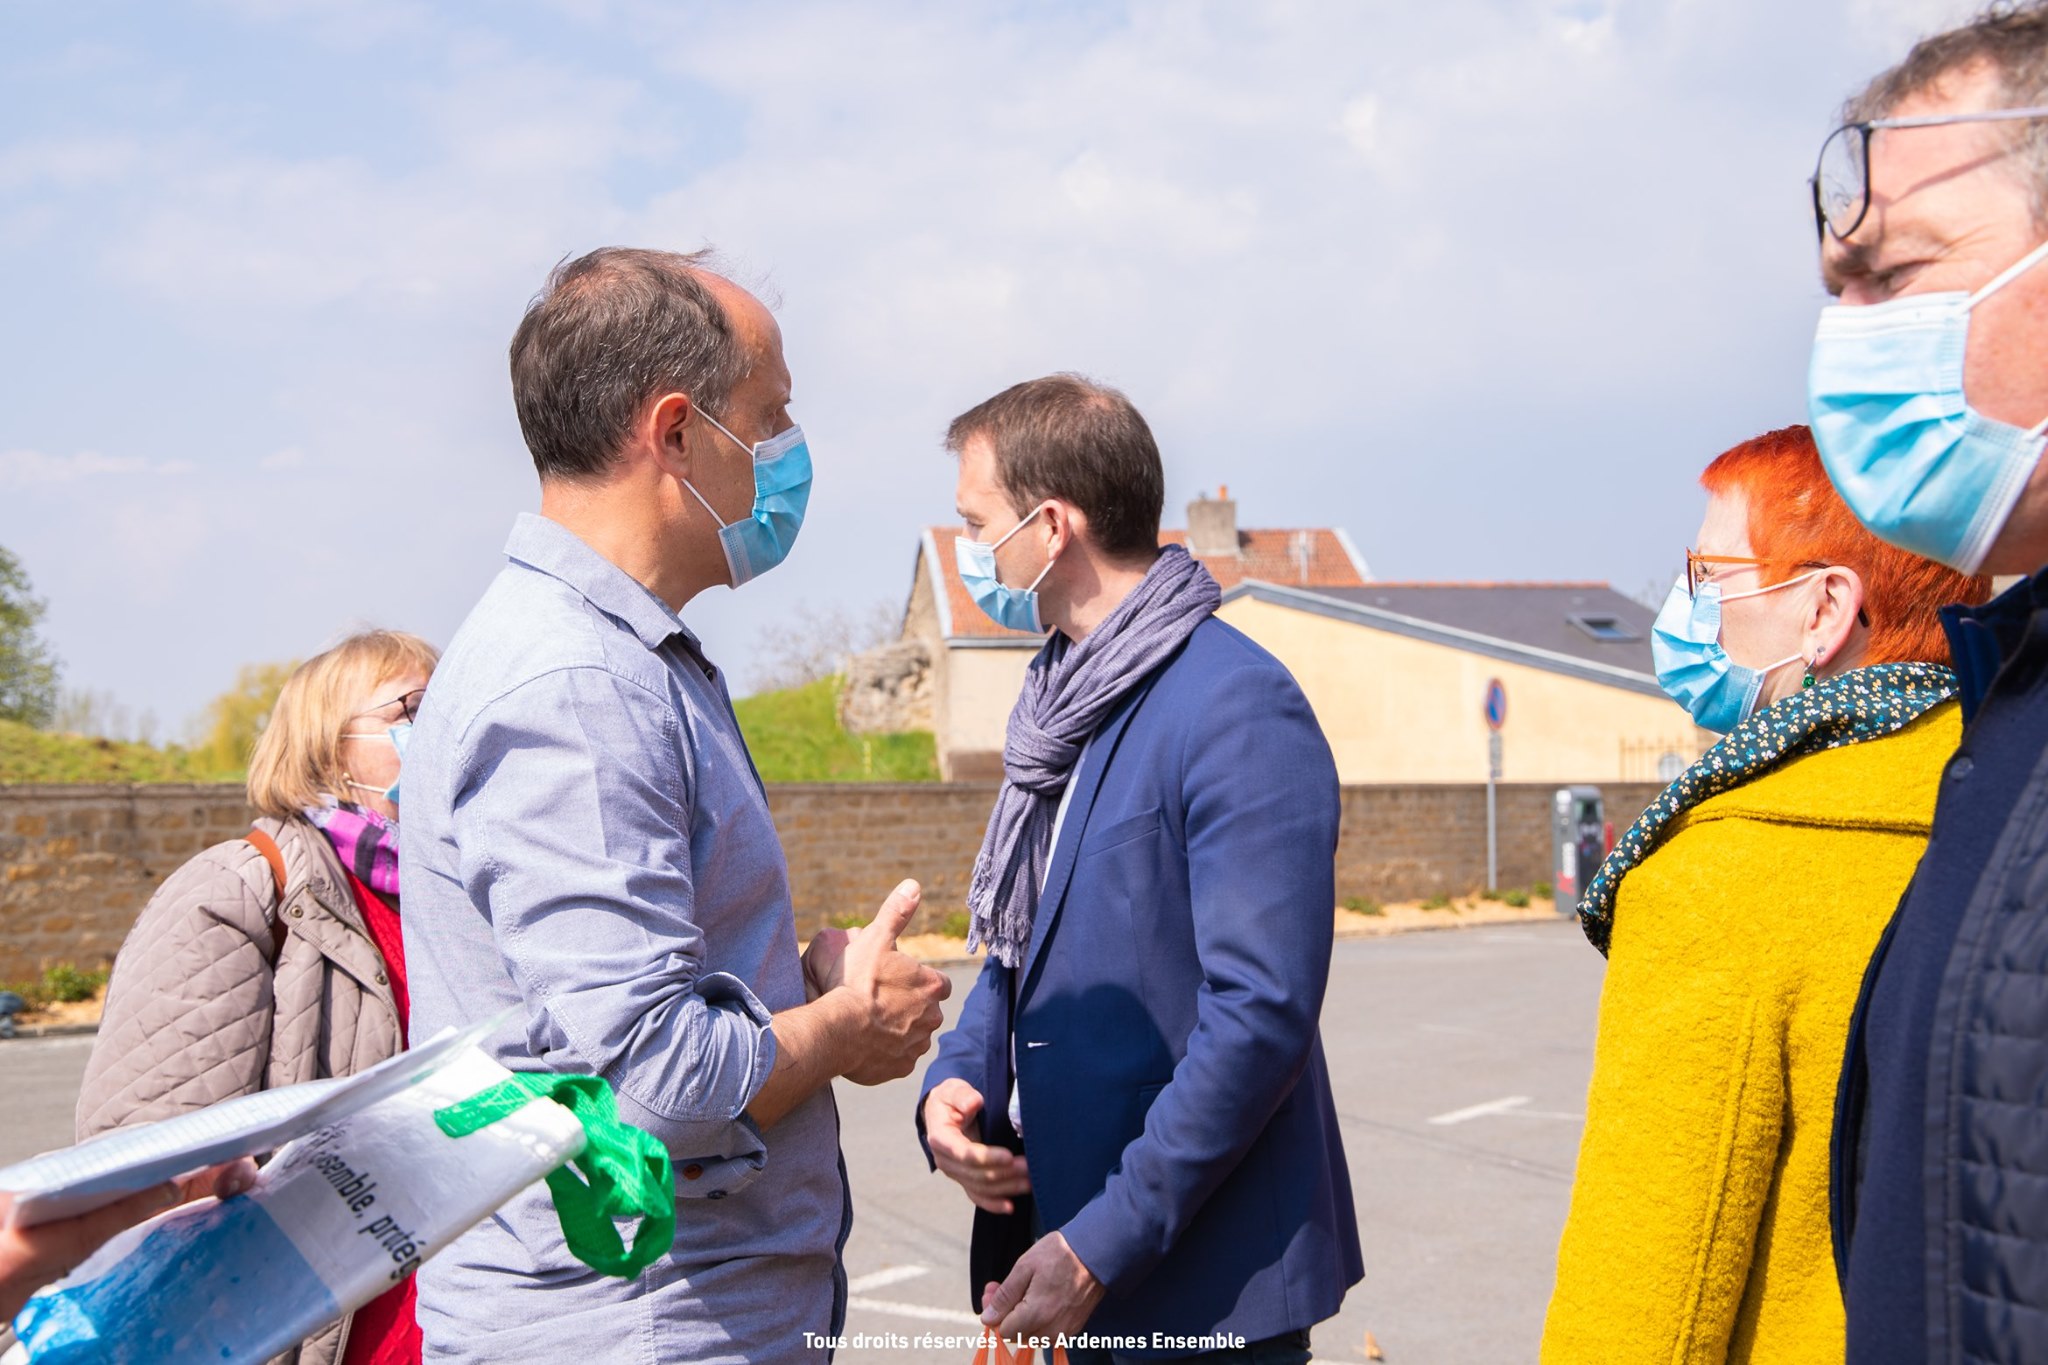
(1699, 1217)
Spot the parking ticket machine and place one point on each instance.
(1578, 842)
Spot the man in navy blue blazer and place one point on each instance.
(1135, 1097)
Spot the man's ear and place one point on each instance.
(1064, 524)
(669, 432)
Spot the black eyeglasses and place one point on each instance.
(1841, 178)
(409, 704)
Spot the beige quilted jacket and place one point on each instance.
(204, 1006)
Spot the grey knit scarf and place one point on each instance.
(1068, 690)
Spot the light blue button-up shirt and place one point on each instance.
(584, 840)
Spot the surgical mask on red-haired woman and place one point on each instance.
(1692, 667)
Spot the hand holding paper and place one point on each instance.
(34, 1256)
(340, 1214)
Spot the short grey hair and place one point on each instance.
(2012, 38)
(611, 330)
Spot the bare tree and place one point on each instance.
(1651, 594)
(814, 642)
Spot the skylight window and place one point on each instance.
(1607, 629)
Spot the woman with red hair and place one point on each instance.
(1737, 916)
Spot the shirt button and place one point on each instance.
(382, 980)
(1959, 767)
(297, 912)
(692, 1171)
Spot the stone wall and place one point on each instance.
(77, 862)
(1412, 842)
(888, 689)
(849, 844)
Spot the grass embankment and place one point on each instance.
(38, 756)
(795, 737)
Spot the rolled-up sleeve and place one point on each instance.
(571, 815)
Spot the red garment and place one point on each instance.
(382, 921)
(386, 1330)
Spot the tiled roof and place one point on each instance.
(1314, 558)
(1318, 558)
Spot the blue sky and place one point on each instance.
(1485, 282)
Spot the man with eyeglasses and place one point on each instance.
(1929, 398)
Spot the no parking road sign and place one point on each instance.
(1496, 716)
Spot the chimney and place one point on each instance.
(1301, 548)
(1212, 525)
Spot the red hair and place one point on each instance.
(1797, 519)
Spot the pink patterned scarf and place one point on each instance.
(366, 843)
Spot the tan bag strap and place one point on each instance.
(273, 855)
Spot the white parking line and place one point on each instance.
(1461, 1030)
(1480, 1111)
(882, 1279)
(956, 1316)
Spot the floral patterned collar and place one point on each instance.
(1862, 704)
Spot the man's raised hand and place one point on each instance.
(898, 997)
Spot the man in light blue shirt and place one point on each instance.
(587, 848)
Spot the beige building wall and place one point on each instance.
(979, 688)
(973, 689)
(1397, 709)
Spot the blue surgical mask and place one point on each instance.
(1011, 608)
(1915, 462)
(399, 735)
(782, 490)
(1694, 670)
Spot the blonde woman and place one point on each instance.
(276, 958)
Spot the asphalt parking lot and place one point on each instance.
(1460, 1061)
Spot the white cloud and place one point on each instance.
(513, 156)
(1486, 281)
(35, 468)
(348, 25)
(67, 163)
(1889, 27)
(1360, 123)
(154, 545)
